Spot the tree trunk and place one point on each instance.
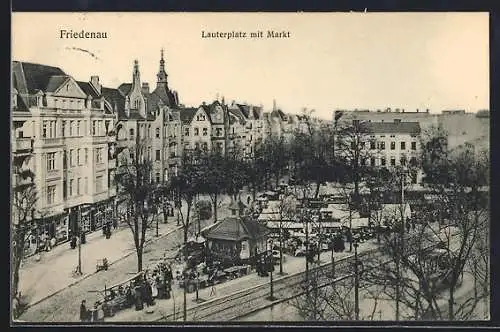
(451, 302)
(316, 193)
(215, 202)
(139, 259)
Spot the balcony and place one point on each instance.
(56, 141)
(23, 145)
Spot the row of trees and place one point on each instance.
(457, 180)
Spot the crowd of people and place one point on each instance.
(140, 291)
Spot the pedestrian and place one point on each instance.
(53, 242)
(213, 291)
(84, 313)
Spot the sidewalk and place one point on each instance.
(163, 308)
(53, 273)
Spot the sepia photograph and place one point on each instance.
(249, 167)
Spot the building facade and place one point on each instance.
(69, 126)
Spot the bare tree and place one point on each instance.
(424, 269)
(355, 146)
(185, 186)
(23, 205)
(135, 183)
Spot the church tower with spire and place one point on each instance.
(162, 74)
(135, 96)
(167, 96)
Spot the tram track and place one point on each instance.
(244, 302)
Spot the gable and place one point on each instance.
(201, 113)
(69, 88)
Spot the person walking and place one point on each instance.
(84, 313)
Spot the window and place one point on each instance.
(403, 145)
(99, 184)
(205, 131)
(63, 128)
(372, 145)
(393, 161)
(149, 131)
(413, 161)
(71, 158)
(186, 131)
(196, 146)
(132, 156)
(71, 125)
(200, 117)
(94, 128)
(79, 186)
(53, 126)
(78, 125)
(157, 132)
(51, 194)
(71, 184)
(86, 185)
(44, 129)
(65, 190)
(218, 131)
(196, 131)
(100, 155)
(157, 155)
(372, 161)
(157, 177)
(86, 156)
(149, 153)
(393, 145)
(382, 161)
(51, 161)
(205, 146)
(78, 157)
(402, 161)
(393, 136)
(131, 133)
(413, 145)
(382, 145)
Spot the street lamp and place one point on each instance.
(356, 281)
(271, 268)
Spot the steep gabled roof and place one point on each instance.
(393, 127)
(115, 98)
(244, 109)
(55, 82)
(125, 88)
(256, 111)
(187, 114)
(88, 89)
(236, 112)
(166, 96)
(32, 77)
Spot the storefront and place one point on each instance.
(102, 213)
(44, 229)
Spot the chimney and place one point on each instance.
(145, 88)
(94, 81)
(274, 104)
(427, 110)
(417, 110)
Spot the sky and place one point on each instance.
(330, 61)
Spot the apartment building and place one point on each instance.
(152, 119)
(196, 129)
(67, 124)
